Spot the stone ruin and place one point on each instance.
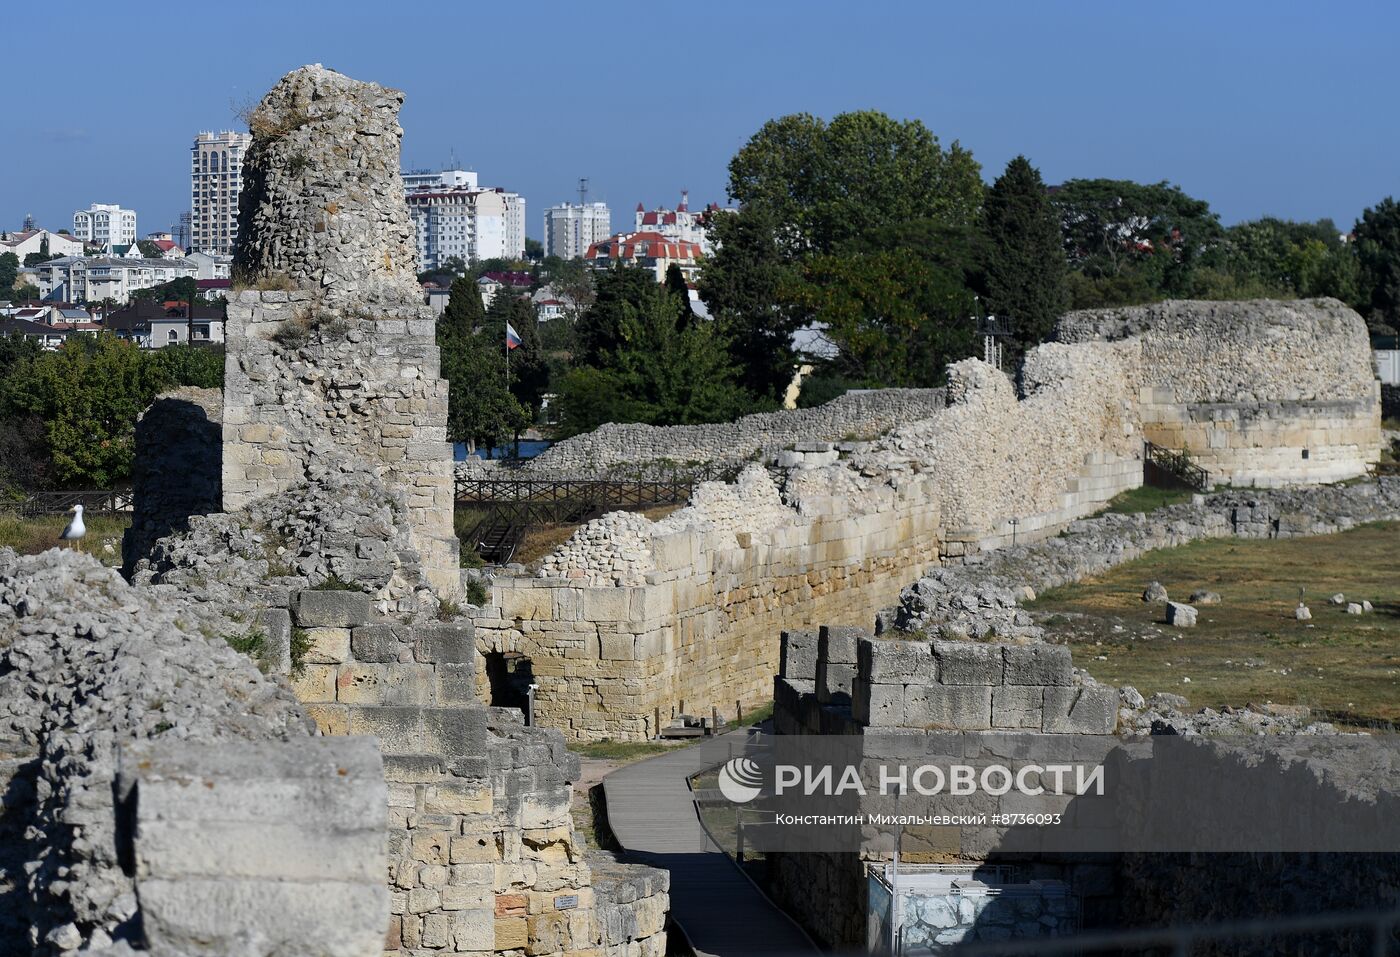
(350, 795)
(632, 623)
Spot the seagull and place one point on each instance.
(76, 529)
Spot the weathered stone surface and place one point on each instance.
(1180, 615)
(1156, 592)
(331, 609)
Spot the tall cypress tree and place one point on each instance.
(480, 409)
(1026, 267)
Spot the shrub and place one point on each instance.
(477, 593)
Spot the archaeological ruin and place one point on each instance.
(371, 786)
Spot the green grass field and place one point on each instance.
(34, 534)
(1249, 648)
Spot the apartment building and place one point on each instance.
(105, 224)
(216, 177)
(569, 229)
(95, 279)
(453, 217)
(647, 250)
(681, 224)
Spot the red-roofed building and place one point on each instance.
(680, 224)
(649, 250)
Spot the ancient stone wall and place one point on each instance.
(113, 704)
(177, 470)
(1259, 393)
(322, 204)
(637, 622)
(347, 360)
(631, 448)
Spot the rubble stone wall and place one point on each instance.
(616, 447)
(1259, 393)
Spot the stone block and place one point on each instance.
(956, 707)
(606, 604)
(1018, 706)
(316, 683)
(445, 643)
(378, 642)
(798, 655)
(1180, 615)
(839, 643)
(327, 646)
(331, 609)
(276, 626)
(883, 660)
(1089, 710)
(512, 933)
(878, 705)
(966, 663)
(1037, 665)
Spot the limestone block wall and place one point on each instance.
(176, 472)
(303, 384)
(1260, 393)
(693, 626)
(630, 447)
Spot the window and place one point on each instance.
(172, 336)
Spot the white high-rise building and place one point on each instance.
(570, 229)
(455, 218)
(105, 223)
(216, 176)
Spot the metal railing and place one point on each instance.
(1165, 468)
(93, 501)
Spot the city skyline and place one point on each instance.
(1260, 110)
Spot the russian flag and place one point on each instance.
(512, 337)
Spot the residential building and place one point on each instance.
(155, 325)
(488, 288)
(551, 303)
(95, 279)
(648, 250)
(211, 265)
(214, 288)
(216, 177)
(455, 218)
(569, 229)
(105, 224)
(33, 241)
(680, 223)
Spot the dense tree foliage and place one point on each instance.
(813, 195)
(1378, 253)
(481, 411)
(1026, 266)
(183, 289)
(85, 399)
(642, 365)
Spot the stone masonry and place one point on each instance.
(331, 349)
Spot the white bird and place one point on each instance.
(76, 529)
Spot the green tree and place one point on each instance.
(529, 372)
(1133, 242)
(9, 272)
(1026, 261)
(811, 189)
(616, 290)
(184, 364)
(481, 410)
(658, 374)
(88, 395)
(183, 289)
(895, 318)
(1378, 254)
(680, 292)
(534, 249)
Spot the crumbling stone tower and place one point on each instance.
(330, 347)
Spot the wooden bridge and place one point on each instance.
(93, 501)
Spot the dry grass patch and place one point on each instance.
(30, 535)
(1249, 648)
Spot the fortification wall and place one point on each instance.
(614, 447)
(1260, 393)
(636, 622)
(347, 360)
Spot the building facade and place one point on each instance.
(96, 279)
(680, 224)
(453, 217)
(216, 177)
(569, 229)
(105, 224)
(648, 250)
(36, 240)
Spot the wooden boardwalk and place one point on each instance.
(652, 813)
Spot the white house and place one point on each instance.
(32, 241)
(83, 279)
(105, 224)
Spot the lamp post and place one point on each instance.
(530, 705)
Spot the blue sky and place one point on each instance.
(1276, 108)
